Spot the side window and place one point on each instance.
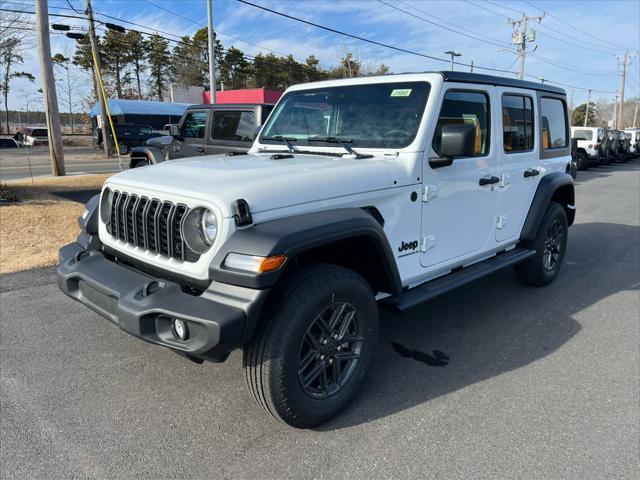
(465, 107)
(517, 123)
(554, 123)
(233, 126)
(194, 125)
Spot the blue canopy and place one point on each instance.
(140, 107)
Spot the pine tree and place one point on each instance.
(159, 65)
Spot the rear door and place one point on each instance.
(192, 130)
(518, 160)
(231, 131)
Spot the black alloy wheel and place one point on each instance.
(330, 350)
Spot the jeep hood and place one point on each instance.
(265, 183)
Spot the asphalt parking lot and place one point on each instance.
(537, 383)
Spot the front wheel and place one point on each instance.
(314, 345)
(550, 245)
(123, 149)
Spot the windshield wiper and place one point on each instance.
(286, 140)
(343, 142)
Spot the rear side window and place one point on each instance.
(583, 134)
(517, 123)
(194, 125)
(234, 126)
(554, 123)
(465, 107)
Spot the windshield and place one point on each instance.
(374, 116)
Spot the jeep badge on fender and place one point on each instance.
(329, 185)
(408, 246)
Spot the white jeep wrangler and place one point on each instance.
(391, 189)
(588, 147)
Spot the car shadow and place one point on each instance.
(600, 171)
(491, 327)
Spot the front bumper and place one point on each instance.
(145, 306)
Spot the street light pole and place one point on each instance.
(453, 55)
(212, 54)
(586, 111)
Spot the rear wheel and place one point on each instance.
(123, 149)
(581, 160)
(314, 345)
(550, 245)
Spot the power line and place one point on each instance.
(581, 31)
(217, 31)
(571, 68)
(491, 41)
(357, 37)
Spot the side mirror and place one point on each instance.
(457, 141)
(173, 131)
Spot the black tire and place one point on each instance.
(123, 149)
(283, 343)
(550, 245)
(581, 160)
(140, 163)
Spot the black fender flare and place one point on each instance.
(555, 186)
(293, 236)
(152, 154)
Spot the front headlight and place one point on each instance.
(105, 205)
(199, 229)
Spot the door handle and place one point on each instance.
(532, 172)
(488, 181)
(200, 149)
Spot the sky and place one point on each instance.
(580, 43)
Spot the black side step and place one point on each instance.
(431, 289)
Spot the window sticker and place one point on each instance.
(401, 92)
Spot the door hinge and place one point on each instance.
(505, 179)
(502, 221)
(428, 242)
(429, 192)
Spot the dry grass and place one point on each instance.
(31, 232)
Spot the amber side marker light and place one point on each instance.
(254, 263)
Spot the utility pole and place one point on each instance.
(614, 120)
(212, 53)
(623, 79)
(106, 134)
(453, 55)
(586, 111)
(49, 89)
(522, 36)
(635, 114)
(471, 70)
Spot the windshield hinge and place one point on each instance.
(429, 192)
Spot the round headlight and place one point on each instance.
(209, 225)
(105, 205)
(199, 229)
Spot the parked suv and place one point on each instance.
(634, 140)
(391, 189)
(205, 130)
(588, 147)
(129, 135)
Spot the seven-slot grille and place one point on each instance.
(150, 224)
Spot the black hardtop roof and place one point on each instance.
(228, 105)
(466, 77)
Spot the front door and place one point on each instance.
(193, 131)
(518, 164)
(459, 201)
